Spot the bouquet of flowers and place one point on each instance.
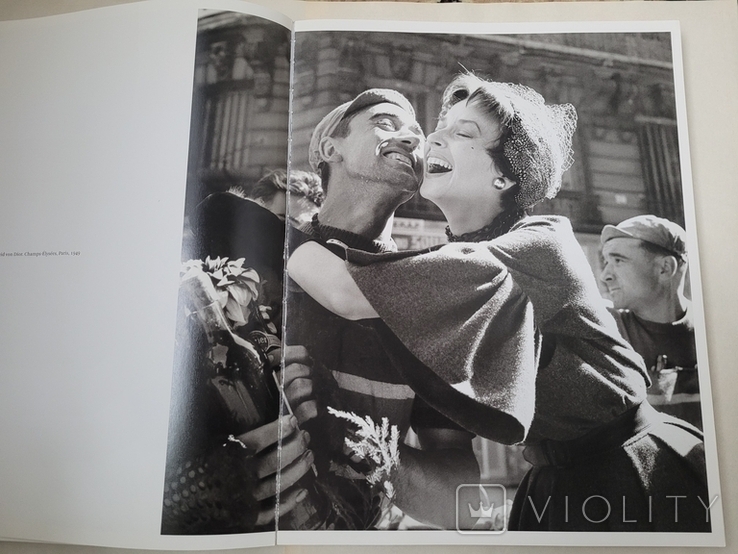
(223, 296)
(234, 287)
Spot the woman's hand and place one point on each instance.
(326, 279)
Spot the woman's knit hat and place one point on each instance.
(538, 142)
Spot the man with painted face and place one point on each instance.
(645, 273)
(369, 154)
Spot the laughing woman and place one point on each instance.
(504, 331)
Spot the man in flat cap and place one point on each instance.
(369, 153)
(645, 273)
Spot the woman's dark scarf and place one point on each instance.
(498, 227)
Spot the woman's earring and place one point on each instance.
(499, 183)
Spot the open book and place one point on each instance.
(158, 363)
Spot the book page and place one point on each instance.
(73, 492)
(223, 455)
(632, 158)
(96, 108)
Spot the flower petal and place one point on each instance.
(236, 313)
(241, 295)
(222, 298)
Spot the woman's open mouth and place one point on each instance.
(437, 165)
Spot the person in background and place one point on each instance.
(270, 192)
(306, 196)
(215, 485)
(645, 273)
(251, 225)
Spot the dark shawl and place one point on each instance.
(473, 315)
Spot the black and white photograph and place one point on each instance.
(223, 455)
(488, 319)
(495, 294)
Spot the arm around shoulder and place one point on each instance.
(326, 279)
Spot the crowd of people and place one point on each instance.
(500, 333)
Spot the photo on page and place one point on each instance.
(223, 455)
(496, 293)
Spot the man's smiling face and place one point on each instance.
(384, 145)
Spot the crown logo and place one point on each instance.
(482, 512)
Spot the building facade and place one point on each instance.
(240, 103)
